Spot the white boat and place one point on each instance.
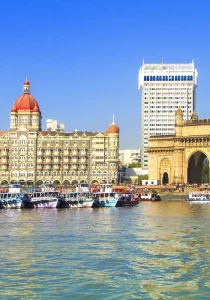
(102, 199)
(12, 198)
(199, 197)
(78, 199)
(81, 188)
(102, 188)
(46, 197)
(148, 196)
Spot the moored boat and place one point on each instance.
(149, 196)
(47, 197)
(105, 199)
(199, 197)
(127, 200)
(11, 197)
(78, 199)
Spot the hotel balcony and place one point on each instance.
(112, 159)
(48, 167)
(56, 167)
(39, 167)
(66, 167)
(4, 153)
(40, 153)
(75, 160)
(66, 153)
(83, 153)
(83, 167)
(74, 167)
(83, 162)
(4, 166)
(74, 154)
(56, 153)
(66, 160)
(48, 161)
(56, 161)
(48, 153)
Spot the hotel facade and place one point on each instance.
(164, 87)
(31, 156)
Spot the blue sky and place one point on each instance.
(82, 57)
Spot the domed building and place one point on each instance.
(25, 111)
(31, 156)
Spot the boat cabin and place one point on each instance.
(82, 187)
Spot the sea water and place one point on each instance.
(153, 251)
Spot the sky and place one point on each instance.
(82, 57)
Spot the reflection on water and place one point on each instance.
(153, 251)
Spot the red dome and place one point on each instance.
(26, 102)
(14, 109)
(113, 128)
(26, 82)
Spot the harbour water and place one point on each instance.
(153, 251)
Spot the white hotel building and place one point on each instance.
(165, 87)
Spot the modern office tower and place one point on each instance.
(129, 156)
(165, 87)
(52, 125)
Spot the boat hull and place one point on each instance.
(10, 203)
(126, 203)
(80, 203)
(104, 203)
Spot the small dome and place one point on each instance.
(26, 82)
(194, 116)
(26, 101)
(113, 128)
(14, 109)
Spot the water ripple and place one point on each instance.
(153, 251)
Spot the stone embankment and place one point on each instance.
(173, 196)
(169, 193)
(176, 195)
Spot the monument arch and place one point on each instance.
(180, 158)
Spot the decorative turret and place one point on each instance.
(178, 122)
(26, 86)
(25, 111)
(113, 128)
(194, 116)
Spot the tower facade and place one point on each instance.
(164, 87)
(25, 111)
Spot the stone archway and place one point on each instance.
(165, 168)
(39, 182)
(165, 179)
(196, 165)
(66, 183)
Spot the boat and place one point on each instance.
(11, 197)
(78, 199)
(127, 200)
(199, 197)
(105, 199)
(81, 188)
(149, 196)
(46, 197)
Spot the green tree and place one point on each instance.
(135, 165)
(205, 172)
(142, 177)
